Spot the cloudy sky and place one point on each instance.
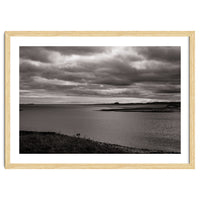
(99, 74)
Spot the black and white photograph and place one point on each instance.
(100, 100)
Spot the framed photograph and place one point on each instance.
(99, 100)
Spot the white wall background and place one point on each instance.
(113, 15)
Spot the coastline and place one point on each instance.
(148, 107)
(32, 142)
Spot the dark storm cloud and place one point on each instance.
(77, 50)
(130, 76)
(134, 72)
(168, 54)
(168, 91)
(43, 54)
(34, 54)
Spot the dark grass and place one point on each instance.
(53, 143)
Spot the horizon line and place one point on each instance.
(114, 103)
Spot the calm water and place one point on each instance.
(151, 130)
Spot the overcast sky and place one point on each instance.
(99, 74)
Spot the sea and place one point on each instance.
(146, 130)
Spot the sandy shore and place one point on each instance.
(50, 142)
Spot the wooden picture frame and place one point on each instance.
(191, 123)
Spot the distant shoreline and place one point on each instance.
(32, 142)
(123, 107)
(115, 103)
(153, 107)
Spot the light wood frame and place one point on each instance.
(190, 34)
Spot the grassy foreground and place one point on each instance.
(50, 142)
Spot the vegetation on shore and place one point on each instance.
(32, 142)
